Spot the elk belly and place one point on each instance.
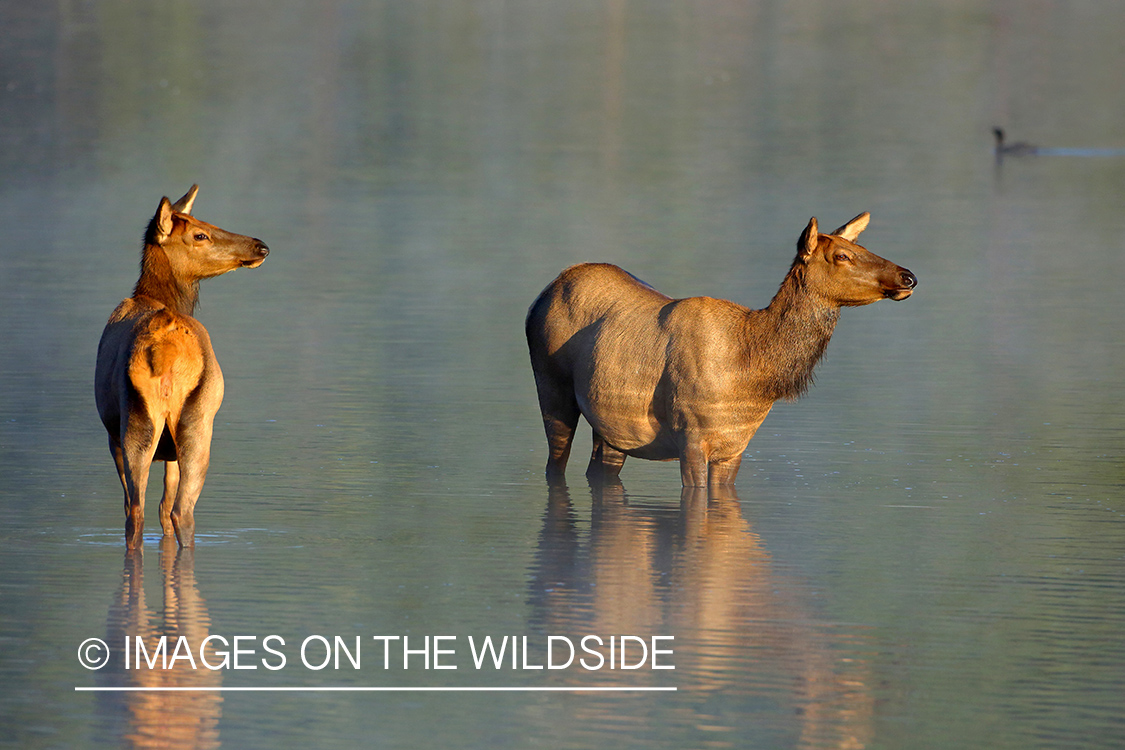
(630, 426)
(617, 392)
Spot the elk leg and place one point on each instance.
(133, 537)
(119, 462)
(693, 466)
(194, 457)
(138, 448)
(605, 460)
(171, 487)
(724, 472)
(560, 418)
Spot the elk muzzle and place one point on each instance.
(258, 253)
(906, 283)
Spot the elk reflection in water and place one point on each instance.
(161, 719)
(700, 573)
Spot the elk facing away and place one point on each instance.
(689, 379)
(158, 384)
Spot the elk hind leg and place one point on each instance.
(193, 459)
(137, 449)
(560, 419)
(605, 460)
(119, 462)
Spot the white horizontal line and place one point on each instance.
(322, 689)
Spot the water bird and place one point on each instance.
(1019, 148)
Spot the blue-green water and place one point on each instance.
(926, 551)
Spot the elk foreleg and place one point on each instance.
(171, 488)
(723, 472)
(693, 465)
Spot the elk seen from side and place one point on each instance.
(689, 379)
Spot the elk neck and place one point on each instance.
(788, 338)
(159, 281)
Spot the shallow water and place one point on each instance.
(926, 551)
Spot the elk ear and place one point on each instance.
(852, 229)
(806, 246)
(183, 205)
(161, 226)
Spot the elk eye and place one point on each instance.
(201, 237)
(842, 258)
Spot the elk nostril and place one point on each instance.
(909, 280)
(262, 247)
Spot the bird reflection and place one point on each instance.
(161, 719)
(700, 573)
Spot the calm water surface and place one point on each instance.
(927, 551)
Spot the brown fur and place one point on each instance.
(689, 379)
(158, 384)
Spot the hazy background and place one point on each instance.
(924, 552)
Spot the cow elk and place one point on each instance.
(689, 379)
(158, 384)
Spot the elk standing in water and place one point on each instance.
(158, 384)
(689, 379)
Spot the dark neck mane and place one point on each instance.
(159, 282)
(788, 338)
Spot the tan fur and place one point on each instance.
(689, 379)
(158, 384)
(167, 364)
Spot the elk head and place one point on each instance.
(846, 274)
(196, 249)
